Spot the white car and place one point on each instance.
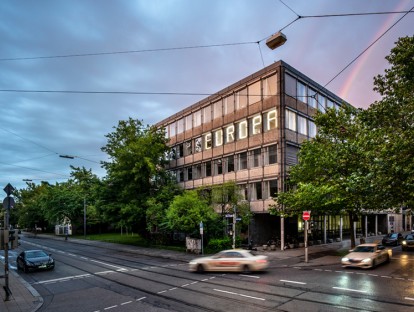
(367, 256)
(233, 260)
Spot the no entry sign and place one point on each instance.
(306, 215)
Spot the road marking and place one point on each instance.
(162, 291)
(241, 295)
(293, 282)
(111, 307)
(409, 298)
(185, 285)
(174, 288)
(63, 279)
(384, 276)
(124, 303)
(110, 265)
(251, 276)
(349, 289)
(142, 298)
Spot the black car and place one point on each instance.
(393, 239)
(408, 242)
(34, 260)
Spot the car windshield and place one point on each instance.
(410, 237)
(35, 254)
(393, 235)
(364, 249)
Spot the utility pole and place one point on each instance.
(234, 226)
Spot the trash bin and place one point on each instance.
(362, 240)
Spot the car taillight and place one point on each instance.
(261, 261)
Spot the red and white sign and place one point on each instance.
(306, 215)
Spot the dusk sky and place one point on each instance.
(141, 50)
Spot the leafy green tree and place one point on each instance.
(389, 129)
(187, 211)
(137, 157)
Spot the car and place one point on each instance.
(232, 260)
(412, 230)
(408, 242)
(393, 239)
(367, 256)
(34, 260)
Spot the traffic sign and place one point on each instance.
(9, 189)
(8, 202)
(306, 215)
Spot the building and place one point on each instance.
(250, 133)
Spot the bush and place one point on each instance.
(217, 244)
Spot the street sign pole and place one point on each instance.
(306, 241)
(7, 203)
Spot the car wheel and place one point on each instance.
(388, 259)
(200, 268)
(374, 264)
(246, 269)
(25, 268)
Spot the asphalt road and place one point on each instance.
(92, 279)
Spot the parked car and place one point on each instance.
(233, 260)
(367, 256)
(34, 260)
(408, 242)
(392, 239)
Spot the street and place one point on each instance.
(90, 279)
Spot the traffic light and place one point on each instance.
(4, 238)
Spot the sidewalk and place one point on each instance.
(25, 298)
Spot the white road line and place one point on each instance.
(409, 298)
(251, 276)
(110, 265)
(174, 288)
(142, 298)
(63, 279)
(124, 303)
(384, 276)
(111, 307)
(233, 293)
(349, 289)
(104, 272)
(185, 285)
(162, 291)
(293, 282)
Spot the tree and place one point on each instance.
(389, 129)
(187, 211)
(137, 156)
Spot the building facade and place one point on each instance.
(250, 133)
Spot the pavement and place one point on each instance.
(25, 298)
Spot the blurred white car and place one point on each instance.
(233, 260)
(367, 256)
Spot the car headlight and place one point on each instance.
(193, 262)
(345, 259)
(404, 242)
(367, 260)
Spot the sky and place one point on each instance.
(71, 70)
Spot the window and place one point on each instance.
(256, 124)
(301, 92)
(180, 150)
(256, 157)
(241, 99)
(242, 161)
(218, 166)
(290, 85)
(198, 147)
(228, 104)
(312, 129)
(329, 103)
(218, 110)
(207, 114)
(302, 125)
(197, 172)
(188, 148)
(188, 122)
(312, 101)
(290, 120)
(180, 125)
(218, 138)
(207, 141)
(229, 134)
(189, 173)
(254, 92)
(292, 155)
(229, 164)
(207, 166)
(258, 190)
(321, 103)
(270, 120)
(269, 86)
(242, 130)
(271, 188)
(197, 118)
(180, 175)
(272, 154)
(172, 129)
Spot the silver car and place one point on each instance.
(367, 256)
(233, 260)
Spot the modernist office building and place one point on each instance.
(250, 133)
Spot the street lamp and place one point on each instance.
(276, 40)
